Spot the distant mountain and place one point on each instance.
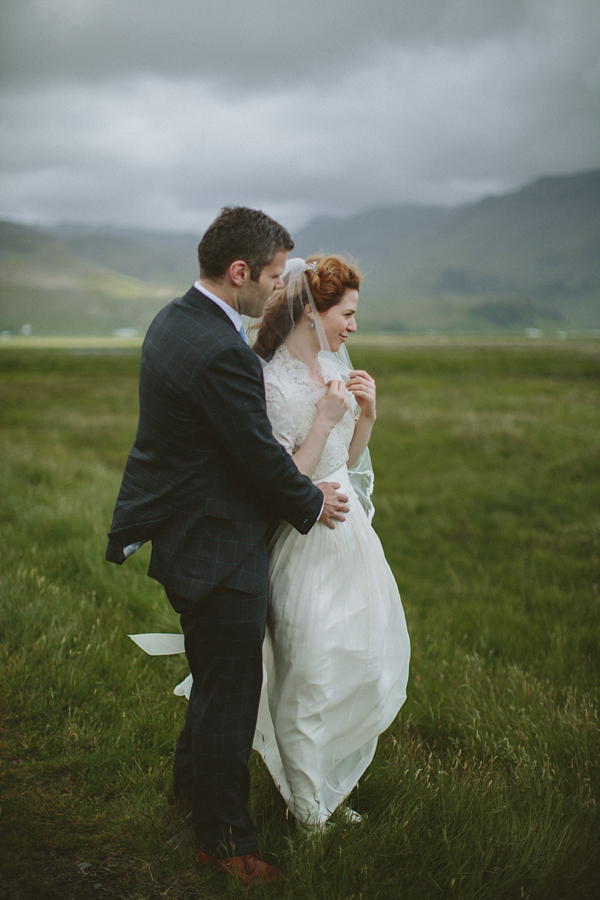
(530, 258)
(155, 257)
(73, 279)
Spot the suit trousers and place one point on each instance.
(223, 636)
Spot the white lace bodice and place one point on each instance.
(292, 397)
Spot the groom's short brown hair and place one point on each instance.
(241, 233)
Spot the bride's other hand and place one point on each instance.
(330, 409)
(363, 387)
(335, 505)
(334, 404)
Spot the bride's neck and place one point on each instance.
(303, 344)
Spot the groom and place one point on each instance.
(203, 480)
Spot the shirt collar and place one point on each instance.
(229, 310)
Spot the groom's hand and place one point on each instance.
(335, 504)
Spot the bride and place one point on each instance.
(337, 649)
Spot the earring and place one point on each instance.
(313, 325)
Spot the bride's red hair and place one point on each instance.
(333, 277)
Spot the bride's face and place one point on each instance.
(339, 321)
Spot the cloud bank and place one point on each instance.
(155, 115)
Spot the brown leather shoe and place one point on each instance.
(249, 868)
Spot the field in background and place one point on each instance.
(487, 459)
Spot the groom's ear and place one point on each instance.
(239, 272)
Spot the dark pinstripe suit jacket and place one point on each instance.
(205, 474)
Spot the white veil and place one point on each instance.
(296, 286)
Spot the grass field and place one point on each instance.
(487, 461)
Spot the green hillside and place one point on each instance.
(154, 257)
(528, 259)
(46, 286)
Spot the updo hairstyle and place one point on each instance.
(332, 278)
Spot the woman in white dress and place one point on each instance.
(337, 650)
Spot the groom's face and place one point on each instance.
(254, 294)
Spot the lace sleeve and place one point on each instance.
(292, 398)
(279, 416)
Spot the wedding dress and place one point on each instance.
(337, 649)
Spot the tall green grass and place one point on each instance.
(487, 462)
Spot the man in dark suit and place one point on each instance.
(204, 479)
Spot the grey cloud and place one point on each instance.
(241, 43)
(153, 113)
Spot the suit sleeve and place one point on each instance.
(229, 393)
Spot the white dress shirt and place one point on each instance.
(229, 310)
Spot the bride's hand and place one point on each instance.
(362, 386)
(334, 404)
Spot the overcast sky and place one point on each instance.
(155, 113)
